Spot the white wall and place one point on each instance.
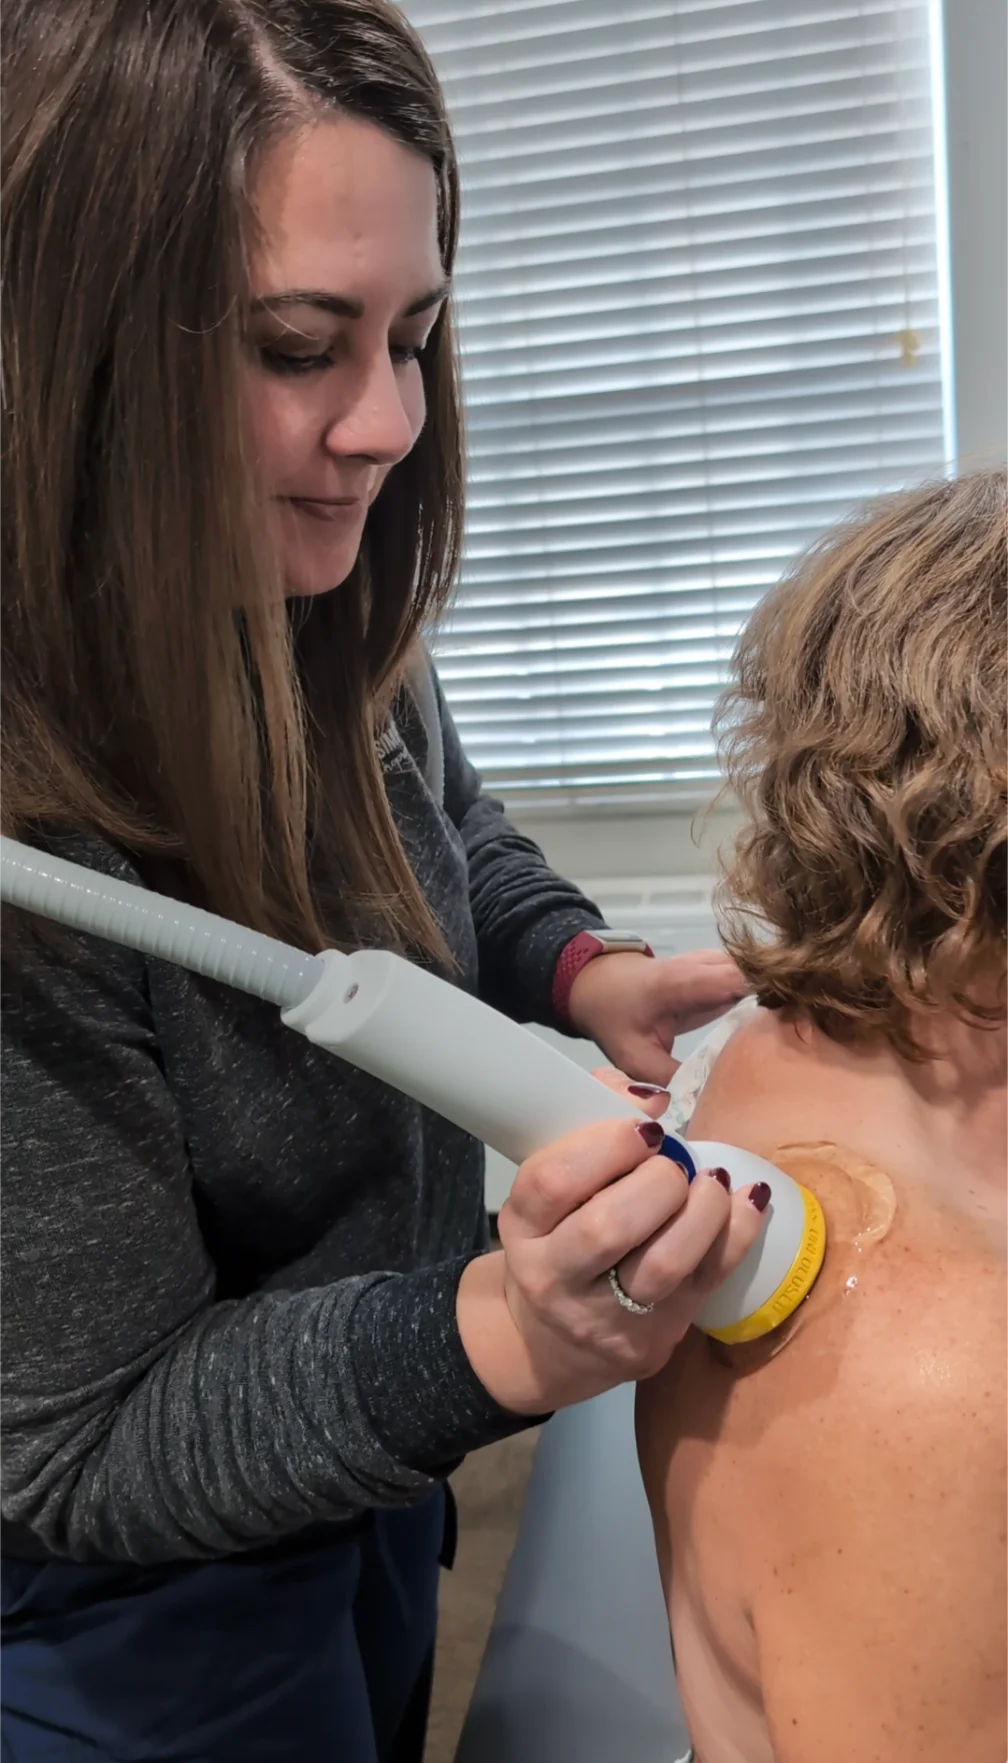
(976, 77)
(609, 846)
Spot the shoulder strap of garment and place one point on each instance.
(689, 1080)
(420, 679)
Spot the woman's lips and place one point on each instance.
(336, 513)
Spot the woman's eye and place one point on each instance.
(278, 361)
(282, 361)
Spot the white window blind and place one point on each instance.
(698, 295)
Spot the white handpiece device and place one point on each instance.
(437, 1044)
(507, 1087)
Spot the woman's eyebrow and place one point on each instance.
(426, 301)
(338, 304)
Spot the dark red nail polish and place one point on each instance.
(645, 1090)
(652, 1132)
(723, 1177)
(760, 1196)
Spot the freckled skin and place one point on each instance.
(835, 1507)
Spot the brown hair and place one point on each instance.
(865, 739)
(135, 700)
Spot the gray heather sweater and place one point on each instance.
(229, 1259)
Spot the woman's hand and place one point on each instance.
(633, 1007)
(539, 1320)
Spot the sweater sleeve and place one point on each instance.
(525, 914)
(145, 1420)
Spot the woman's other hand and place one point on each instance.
(539, 1320)
(633, 1007)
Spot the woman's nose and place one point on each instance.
(376, 422)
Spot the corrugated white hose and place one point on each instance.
(155, 925)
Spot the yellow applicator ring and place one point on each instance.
(782, 1266)
(793, 1289)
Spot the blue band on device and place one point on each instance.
(679, 1152)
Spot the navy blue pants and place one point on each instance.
(319, 1651)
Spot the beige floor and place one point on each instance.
(489, 1488)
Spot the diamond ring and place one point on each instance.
(624, 1299)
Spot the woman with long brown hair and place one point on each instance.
(251, 1319)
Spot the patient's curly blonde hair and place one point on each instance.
(865, 739)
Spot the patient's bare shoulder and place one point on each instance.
(835, 1506)
(772, 1081)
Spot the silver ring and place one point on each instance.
(624, 1299)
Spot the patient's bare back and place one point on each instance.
(833, 1498)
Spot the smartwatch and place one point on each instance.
(587, 946)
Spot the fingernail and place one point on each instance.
(722, 1176)
(652, 1132)
(760, 1196)
(645, 1090)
